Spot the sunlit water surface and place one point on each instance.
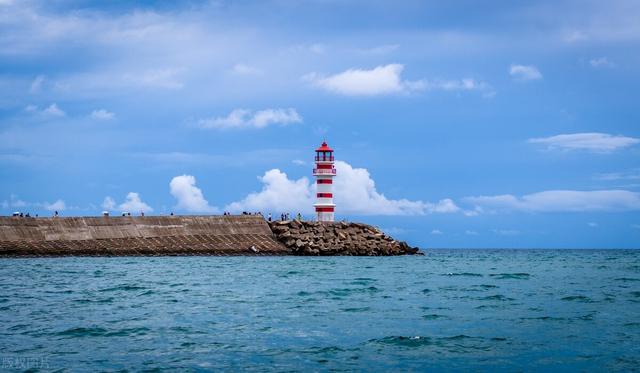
(486, 310)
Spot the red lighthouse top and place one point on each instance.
(324, 148)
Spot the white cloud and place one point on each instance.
(54, 110)
(190, 198)
(506, 232)
(575, 36)
(16, 203)
(359, 82)
(354, 190)
(470, 233)
(436, 232)
(109, 204)
(278, 193)
(318, 48)
(595, 142)
(242, 69)
(58, 205)
(387, 80)
(102, 114)
(601, 62)
(525, 72)
(299, 162)
(132, 204)
(240, 118)
(592, 224)
(36, 85)
(165, 78)
(560, 201)
(378, 50)
(356, 193)
(615, 176)
(13, 202)
(456, 85)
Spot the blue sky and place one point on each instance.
(505, 124)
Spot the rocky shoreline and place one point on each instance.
(311, 238)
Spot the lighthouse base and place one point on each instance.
(325, 216)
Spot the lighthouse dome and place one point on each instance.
(324, 147)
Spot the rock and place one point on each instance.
(342, 238)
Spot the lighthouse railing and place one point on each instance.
(324, 171)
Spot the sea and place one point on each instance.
(450, 310)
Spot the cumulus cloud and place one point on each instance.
(524, 72)
(601, 62)
(436, 232)
(354, 189)
(16, 203)
(52, 110)
(361, 82)
(278, 193)
(387, 79)
(36, 85)
(356, 193)
(165, 78)
(594, 142)
(242, 69)
(132, 203)
(241, 118)
(467, 84)
(58, 205)
(190, 198)
(633, 174)
(506, 232)
(109, 204)
(560, 201)
(102, 114)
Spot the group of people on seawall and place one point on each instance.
(285, 216)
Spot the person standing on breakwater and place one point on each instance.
(269, 217)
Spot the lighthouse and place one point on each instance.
(324, 173)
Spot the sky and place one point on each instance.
(458, 124)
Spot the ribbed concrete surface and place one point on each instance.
(149, 235)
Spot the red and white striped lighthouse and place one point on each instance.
(324, 173)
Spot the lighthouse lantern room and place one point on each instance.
(324, 173)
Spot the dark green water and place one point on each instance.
(488, 310)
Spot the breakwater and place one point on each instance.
(131, 236)
(189, 235)
(337, 238)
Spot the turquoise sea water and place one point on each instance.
(504, 310)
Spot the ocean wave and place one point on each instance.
(80, 332)
(506, 276)
(123, 288)
(577, 298)
(464, 274)
(497, 297)
(627, 279)
(486, 286)
(434, 316)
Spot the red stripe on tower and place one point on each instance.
(324, 209)
(325, 181)
(324, 195)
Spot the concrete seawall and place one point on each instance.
(127, 236)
